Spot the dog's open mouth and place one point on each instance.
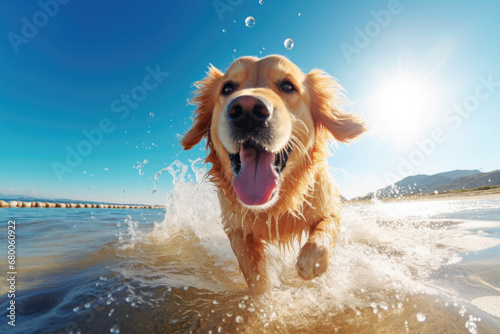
(257, 172)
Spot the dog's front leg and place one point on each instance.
(315, 254)
(250, 254)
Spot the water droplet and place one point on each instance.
(234, 50)
(114, 329)
(87, 305)
(250, 21)
(300, 14)
(75, 309)
(103, 278)
(151, 114)
(224, 30)
(288, 43)
(239, 319)
(128, 299)
(261, 2)
(123, 190)
(111, 312)
(420, 317)
(185, 288)
(106, 169)
(215, 302)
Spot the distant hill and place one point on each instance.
(471, 181)
(424, 184)
(25, 198)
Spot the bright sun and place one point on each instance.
(402, 108)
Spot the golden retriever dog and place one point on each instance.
(267, 126)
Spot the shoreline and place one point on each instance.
(40, 204)
(445, 196)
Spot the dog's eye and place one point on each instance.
(228, 88)
(287, 87)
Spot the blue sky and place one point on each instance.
(424, 74)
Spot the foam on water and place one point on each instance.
(385, 251)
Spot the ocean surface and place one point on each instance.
(405, 267)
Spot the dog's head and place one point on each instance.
(262, 118)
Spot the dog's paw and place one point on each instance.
(313, 260)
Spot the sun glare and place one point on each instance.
(402, 108)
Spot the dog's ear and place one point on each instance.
(326, 109)
(206, 95)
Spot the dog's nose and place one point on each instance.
(248, 112)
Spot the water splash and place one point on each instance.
(157, 177)
(179, 171)
(385, 252)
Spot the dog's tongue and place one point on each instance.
(257, 178)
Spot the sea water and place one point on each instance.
(416, 267)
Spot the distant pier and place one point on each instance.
(29, 204)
